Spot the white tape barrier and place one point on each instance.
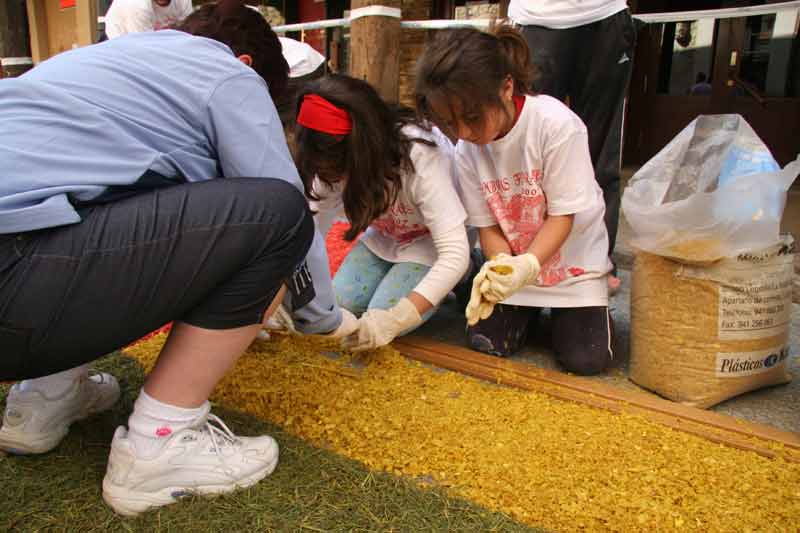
(15, 61)
(375, 11)
(650, 18)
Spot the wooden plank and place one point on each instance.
(86, 22)
(750, 436)
(37, 27)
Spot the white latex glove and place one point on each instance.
(349, 325)
(379, 327)
(478, 308)
(506, 274)
(281, 320)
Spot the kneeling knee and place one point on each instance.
(585, 360)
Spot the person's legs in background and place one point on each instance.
(211, 256)
(553, 55)
(597, 95)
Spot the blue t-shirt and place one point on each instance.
(102, 116)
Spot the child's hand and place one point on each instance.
(478, 308)
(379, 327)
(349, 325)
(506, 274)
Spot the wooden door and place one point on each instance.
(665, 94)
(740, 65)
(761, 72)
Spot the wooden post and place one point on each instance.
(86, 21)
(37, 25)
(502, 10)
(375, 48)
(14, 42)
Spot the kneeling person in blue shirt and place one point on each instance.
(112, 224)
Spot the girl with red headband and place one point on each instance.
(392, 178)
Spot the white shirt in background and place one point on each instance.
(303, 59)
(427, 208)
(562, 14)
(540, 168)
(135, 16)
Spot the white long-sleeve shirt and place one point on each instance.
(426, 223)
(135, 16)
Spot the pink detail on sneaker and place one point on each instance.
(163, 431)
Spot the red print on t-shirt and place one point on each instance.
(520, 211)
(395, 224)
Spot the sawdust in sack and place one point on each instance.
(701, 334)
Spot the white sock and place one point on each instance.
(153, 422)
(55, 385)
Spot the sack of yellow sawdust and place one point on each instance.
(701, 334)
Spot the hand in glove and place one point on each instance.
(280, 321)
(478, 308)
(379, 327)
(349, 325)
(506, 274)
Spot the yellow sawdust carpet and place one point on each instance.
(546, 462)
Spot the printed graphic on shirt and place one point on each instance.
(396, 224)
(520, 207)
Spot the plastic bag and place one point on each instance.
(714, 191)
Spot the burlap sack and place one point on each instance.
(703, 334)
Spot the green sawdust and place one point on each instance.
(546, 462)
(311, 490)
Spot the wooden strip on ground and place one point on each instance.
(759, 438)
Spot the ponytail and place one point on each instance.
(470, 66)
(516, 51)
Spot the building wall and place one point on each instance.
(309, 11)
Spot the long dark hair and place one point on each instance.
(245, 31)
(470, 66)
(373, 156)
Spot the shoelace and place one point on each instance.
(218, 430)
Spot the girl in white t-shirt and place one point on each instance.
(527, 182)
(393, 180)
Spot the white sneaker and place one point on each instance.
(35, 424)
(206, 459)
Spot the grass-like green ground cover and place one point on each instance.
(311, 490)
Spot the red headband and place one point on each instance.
(319, 114)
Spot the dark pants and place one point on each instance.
(211, 254)
(592, 65)
(581, 336)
